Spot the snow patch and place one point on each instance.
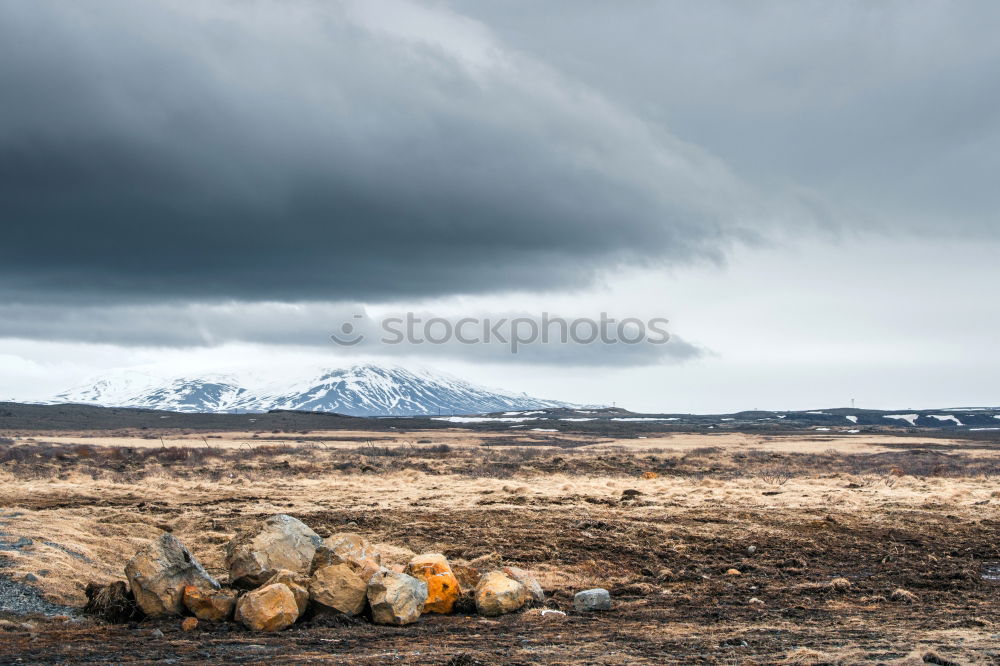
(946, 417)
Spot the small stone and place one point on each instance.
(396, 598)
(210, 605)
(189, 624)
(156, 633)
(339, 587)
(530, 582)
(268, 608)
(733, 572)
(597, 599)
(443, 589)
(30, 578)
(498, 593)
(751, 549)
(905, 596)
(754, 601)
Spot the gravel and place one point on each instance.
(20, 599)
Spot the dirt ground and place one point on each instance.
(873, 550)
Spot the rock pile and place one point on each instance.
(283, 571)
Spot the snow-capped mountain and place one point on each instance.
(360, 390)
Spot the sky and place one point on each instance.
(806, 191)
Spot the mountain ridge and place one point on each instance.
(358, 390)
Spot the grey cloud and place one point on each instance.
(289, 151)
(884, 113)
(314, 325)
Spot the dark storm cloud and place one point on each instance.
(161, 159)
(299, 151)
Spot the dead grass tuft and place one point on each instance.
(112, 602)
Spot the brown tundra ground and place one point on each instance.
(872, 549)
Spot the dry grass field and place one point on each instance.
(872, 549)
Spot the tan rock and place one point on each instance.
(189, 624)
(282, 542)
(443, 589)
(297, 583)
(339, 587)
(351, 548)
(396, 598)
(530, 582)
(497, 594)
(211, 605)
(268, 608)
(159, 572)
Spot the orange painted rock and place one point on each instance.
(212, 605)
(443, 589)
(268, 608)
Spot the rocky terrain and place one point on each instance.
(728, 549)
